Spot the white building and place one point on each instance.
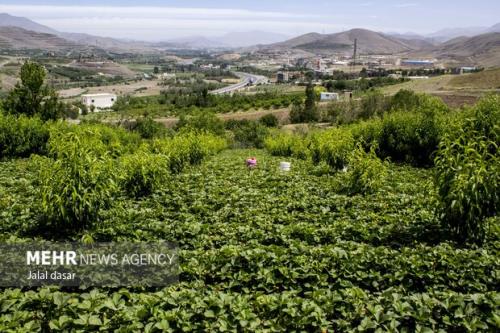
(329, 96)
(99, 101)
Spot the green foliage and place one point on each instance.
(308, 112)
(100, 138)
(22, 136)
(148, 128)
(202, 121)
(333, 147)
(269, 120)
(77, 184)
(247, 133)
(142, 173)
(468, 172)
(366, 172)
(187, 148)
(405, 100)
(411, 137)
(373, 103)
(360, 85)
(284, 144)
(265, 251)
(31, 97)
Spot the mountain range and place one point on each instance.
(229, 40)
(468, 47)
(369, 42)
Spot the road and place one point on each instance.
(246, 80)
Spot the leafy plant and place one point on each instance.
(143, 172)
(269, 120)
(366, 172)
(468, 172)
(75, 186)
(332, 146)
(148, 128)
(22, 136)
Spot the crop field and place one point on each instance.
(263, 250)
(386, 222)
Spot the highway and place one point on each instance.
(246, 80)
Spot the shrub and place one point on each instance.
(22, 136)
(142, 173)
(333, 147)
(468, 173)
(248, 133)
(77, 184)
(405, 100)
(366, 172)
(283, 144)
(187, 148)
(410, 137)
(149, 129)
(201, 121)
(269, 120)
(98, 137)
(372, 103)
(367, 132)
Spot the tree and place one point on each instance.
(31, 96)
(156, 70)
(308, 112)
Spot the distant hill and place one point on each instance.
(495, 28)
(483, 49)
(110, 44)
(18, 38)
(190, 42)
(229, 40)
(369, 42)
(7, 20)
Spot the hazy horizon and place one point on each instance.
(165, 20)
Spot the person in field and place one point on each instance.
(251, 162)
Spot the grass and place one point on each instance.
(474, 83)
(488, 79)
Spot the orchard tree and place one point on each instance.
(32, 97)
(308, 112)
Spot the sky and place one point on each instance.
(165, 20)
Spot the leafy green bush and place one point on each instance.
(332, 146)
(202, 121)
(468, 172)
(284, 144)
(269, 120)
(372, 103)
(247, 133)
(187, 148)
(367, 132)
(410, 137)
(99, 137)
(77, 184)
(366, 172)
(22, 136)
(142, 173)
(149, 129)
(405, 100)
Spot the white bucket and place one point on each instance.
(285, 166)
